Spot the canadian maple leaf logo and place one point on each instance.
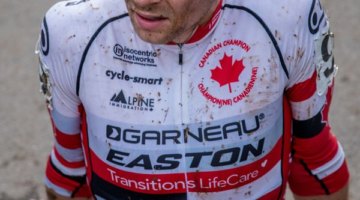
(228, 72)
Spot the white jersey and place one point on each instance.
(209, 119)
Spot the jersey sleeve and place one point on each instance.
(65, 170)
(318, 163)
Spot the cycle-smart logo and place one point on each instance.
(134, 56)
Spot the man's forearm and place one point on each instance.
(51, 195)
(342, 194)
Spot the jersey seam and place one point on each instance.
(322, 184)
(267, 29)
(78, 188)
(78, 179)
(282, 158)
(92, 39)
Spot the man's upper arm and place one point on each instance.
(318, 165)
(65, 171)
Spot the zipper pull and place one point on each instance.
(181, 55)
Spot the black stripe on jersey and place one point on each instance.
(308, 128)
(322, 184)
(109, 191)
(89, 45)
(263, 24)
(44, 38)
(79, 179)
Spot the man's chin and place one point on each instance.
(153, 37)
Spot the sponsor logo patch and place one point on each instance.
(325, 62)
(134, 56)
(135, 79)
(137, 102)
(316, 17)
(228, 131)
(231, 72)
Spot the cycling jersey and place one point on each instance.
(235, 113)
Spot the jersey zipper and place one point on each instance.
(181, 62)
(183, 125)
(181, 55)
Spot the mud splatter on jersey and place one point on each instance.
(231, 121)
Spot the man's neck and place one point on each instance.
(187, 36)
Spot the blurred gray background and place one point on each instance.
(24, 125)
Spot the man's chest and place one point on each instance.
(185, 115)
(217, 78)
(224, 99)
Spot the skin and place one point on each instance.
(342, 194)
(164, 21)
(51, 195)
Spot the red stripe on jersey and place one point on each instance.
(59, 179)
(85, 139)
(321, 148)
(68, 141)
(211, 181)
(66, 163)
(318, 150)
(72, 141)
(304, 184)
(83, 191)
(302, 91)
(286, 139)
(325, 111)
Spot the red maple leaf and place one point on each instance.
(228, 72)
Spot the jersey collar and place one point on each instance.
(204, 29)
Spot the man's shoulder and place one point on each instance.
(74, 22)
(273, 6)
(287, 17)
(273, 11)
(85, 11)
